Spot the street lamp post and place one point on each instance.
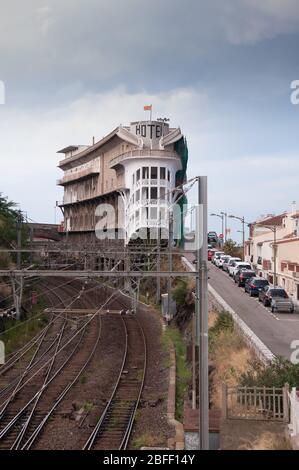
(221, 216)
(224, 214)
(273, 228)
(242, 220)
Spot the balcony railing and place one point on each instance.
(146, 153)
(78, 175)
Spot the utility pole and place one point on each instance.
(243, 237)
(158, 293)
(170, 235)
(243, 222)
(19, 238)
(224, 214)
(17, 283)
(275, 255)
(202, 316)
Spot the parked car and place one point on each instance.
(222, 260)
(239, 265)
(254, 285)
(217, 260)
(282, 304)
(217, 255)
(229, 263)
(242, 275)
(212, 238)
(267, 294)
(211, 252)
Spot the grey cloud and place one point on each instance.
(51, 46)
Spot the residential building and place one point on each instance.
(282, 256)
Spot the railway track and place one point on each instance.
(59, 355)
(114, 427)
(30, 356)
(25, 414)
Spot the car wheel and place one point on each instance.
(292, 311)
(265, 303)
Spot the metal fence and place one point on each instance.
(256, 403)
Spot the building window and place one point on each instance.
(154, 172)
(154, 193)
(154, 213)
(144, 172)
(162, 194)
(162, 173)
(138, 195)
(168, 175)
(162, 214)
(138, 175)
(144, 193)
(133, 179)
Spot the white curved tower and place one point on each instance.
(150, 174)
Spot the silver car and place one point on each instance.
(282, 304)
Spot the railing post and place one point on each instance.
(286, 410)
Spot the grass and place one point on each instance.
(147, 440)
(183, 373)
(83, 379)
(18, 333)
(228, 353)
(267, 441)
(88, 406)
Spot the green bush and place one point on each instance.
(179, 293)
(274, 374)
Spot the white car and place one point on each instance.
(240, 265)
(223, 259)
(231, 265)
(217, 255)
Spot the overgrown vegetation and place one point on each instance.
(18, 333)
(9, 215)
(275, 374)
(179, 293)
(183, 373)
(147, 440)
(224, 323)
(228, 354)
(231, 248)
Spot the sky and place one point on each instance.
(222, 71)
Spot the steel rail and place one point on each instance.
(32, 364)
(37, 431)
(124, 442)
(19, 438)
(14, 420)
(90, 441)
(82, 329)
(126, 438)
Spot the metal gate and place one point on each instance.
(258, 403)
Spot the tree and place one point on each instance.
(231, 248)
(9, 215)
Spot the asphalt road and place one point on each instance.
(276, 330)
